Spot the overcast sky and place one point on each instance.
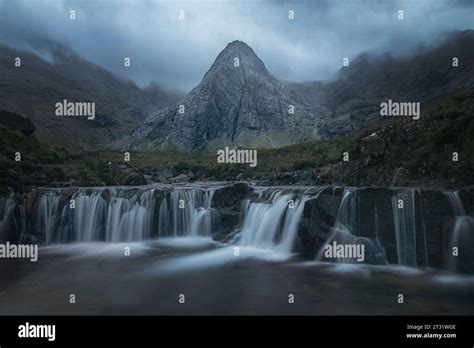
(177, 53)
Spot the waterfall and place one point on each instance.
(271, 222)
(347, 230)
(396, 225)
(121, 214)
(461, 231)
(347, 214)
(186, 212)
(49, 216)
(371, 218)
(346, 224)
(403, 207)
(7, 205)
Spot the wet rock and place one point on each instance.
(467, 199)
(449, 223)
(68, 192)
(327, 174)
(163, 180)
(373, 218)
(299, 177)
(319, 216)
(9, 178)
(419, 234)
(226, 203)
(106, 194)
(126, 174)
(164, 173)
(135, 178)
(180, 178)
(30, 200)
(398, 176)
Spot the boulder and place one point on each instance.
(327, 174)
(319, 216)
(135, 178)
(180, 178)
(126, 174)
(16, 121)
(226, 203)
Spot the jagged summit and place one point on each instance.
(236, 53)
(241, 50)
(238, 47)
(238, 102)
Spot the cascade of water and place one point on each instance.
(346, 225)
(456, 203)
(117, 214)
(47, 214)
(190, 213)
(347, 214)
(462, 228)
(271, 222)
(7, 205)
(89, 215)
(403, 208)
(290, 226)
(129, 218)
(269, 219)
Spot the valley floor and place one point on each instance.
(215, 282)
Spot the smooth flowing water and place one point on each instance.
(241, 255)
(391, 223)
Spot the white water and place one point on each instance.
(272, 222)
(186, 212)
(346, 229)
(120, 215)
(462, 230)
(405, 227)
(268, 221)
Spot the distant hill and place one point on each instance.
(35, 88)
(355, 94)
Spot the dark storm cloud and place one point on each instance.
(177, 53)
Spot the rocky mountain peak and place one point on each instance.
(238, 103)
(240, 50)
(236, 61)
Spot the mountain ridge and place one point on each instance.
(244, 106)
(325, 109)
(425, 76)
